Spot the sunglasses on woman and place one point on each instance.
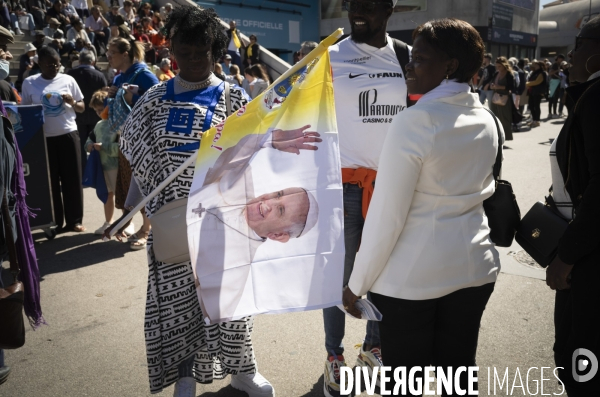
(367, 7)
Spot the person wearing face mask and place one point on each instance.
(426, 255)
(370, 92)
(575, 271)
(163, 130)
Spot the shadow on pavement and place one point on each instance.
(228, 391)
(75, 250)
(317, 390)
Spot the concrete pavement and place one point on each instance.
(93, 297)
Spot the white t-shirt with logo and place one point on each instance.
(59, 117)
(369, 90)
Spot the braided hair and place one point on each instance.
(193, 25)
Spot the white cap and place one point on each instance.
(313, 213)
(30, 47)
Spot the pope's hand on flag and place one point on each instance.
(292, 141)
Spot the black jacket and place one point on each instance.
(237, 31)
(539, 89)
(578, 156)
(490, 70)
(522, 81)
(6, 92)
(89, 81)
(255, 54)
(7, 166)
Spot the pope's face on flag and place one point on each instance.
(270, 174)
(279, 215)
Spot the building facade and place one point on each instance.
(280, 26)
(508, 27)
(560, 23)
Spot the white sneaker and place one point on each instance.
(331, 376)
(370, 359)
(185, 387)
(101, 229)
(254, 384)
(19, 32)
(130, 229)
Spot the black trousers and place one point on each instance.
(534, 105)
(64, 158)
(101, 42)
(553, 102)
(84, 130)
(577, 326)
(39, 18)
(561, 98)
(433, 332)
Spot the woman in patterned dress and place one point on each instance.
(162, 131)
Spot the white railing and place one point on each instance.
(275, 65)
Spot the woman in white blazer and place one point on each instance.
(426, 256)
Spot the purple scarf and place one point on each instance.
(30, 274)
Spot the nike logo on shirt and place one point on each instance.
(356, 75)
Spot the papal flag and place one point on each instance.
(265, 213)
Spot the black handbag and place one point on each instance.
(540, 231)
(12, 324)
(501, 209)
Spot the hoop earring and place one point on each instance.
(586, 64)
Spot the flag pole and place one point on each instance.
(323, 46)
(155, 192)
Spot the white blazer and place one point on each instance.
(426, 234)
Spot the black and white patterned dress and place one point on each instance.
(160, 134)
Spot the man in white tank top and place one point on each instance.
(370, 90)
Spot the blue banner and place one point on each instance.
(281, 29)
(26, 120)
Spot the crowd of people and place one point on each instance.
(429, 182)
(92, 35)
(240, 65)
(508, 85)
(71, 28)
